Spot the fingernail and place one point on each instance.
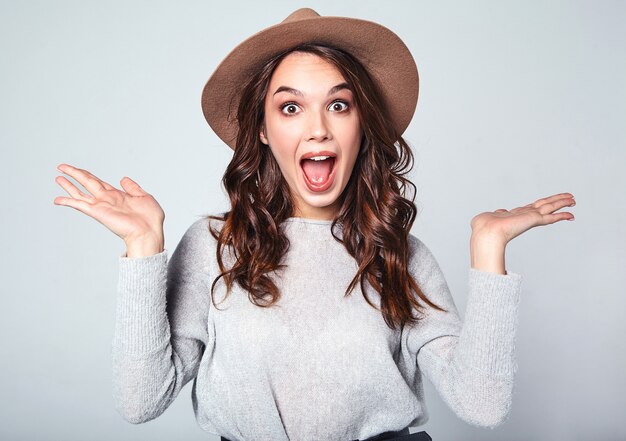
(572, 218)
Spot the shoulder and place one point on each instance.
(417, 248)
(198, 235)
(421, 259)
(429, 276)
(195, 251)
(201, 228)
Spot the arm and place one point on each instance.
(474, 372)
(474, 369)
(471, 364)
(161, 317)
(161, 325)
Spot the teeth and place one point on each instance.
(319, 158)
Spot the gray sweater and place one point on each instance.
(320, 366)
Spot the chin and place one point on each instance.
(320, 200)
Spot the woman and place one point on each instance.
(308, 311)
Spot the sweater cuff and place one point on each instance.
(141, 317)
(488, 336)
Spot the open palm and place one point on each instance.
(508, 224)
(130, 214)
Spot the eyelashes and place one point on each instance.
(340, 103)
(291, 108)
(289, 105)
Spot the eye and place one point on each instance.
(289, 108)
(338, 106)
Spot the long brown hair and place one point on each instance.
(374, 215)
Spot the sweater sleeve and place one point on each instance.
(471, 364)
(161, 325)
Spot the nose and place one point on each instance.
(318, 129)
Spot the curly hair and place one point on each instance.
(375, 215)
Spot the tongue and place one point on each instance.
(317, 171)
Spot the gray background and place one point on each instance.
(518, 100)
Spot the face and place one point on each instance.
(312, 128)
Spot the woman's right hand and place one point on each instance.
(132, 214)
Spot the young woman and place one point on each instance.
(308, 311)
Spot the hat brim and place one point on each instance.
(380, 50)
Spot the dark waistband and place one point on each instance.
(388, 435)
(400, 435)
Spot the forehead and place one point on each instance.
(303, 68)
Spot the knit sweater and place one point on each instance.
(318, 366)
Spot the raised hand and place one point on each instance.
(492, 230)
(504, 225)
(132, 214)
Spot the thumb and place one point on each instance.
(131, 187)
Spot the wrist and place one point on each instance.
(147, 245)
(487, 253)
(487, 239)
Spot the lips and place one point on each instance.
(318, 169)
(318, 153)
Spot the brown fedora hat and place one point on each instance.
(381, 51)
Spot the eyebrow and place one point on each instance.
(293, 91)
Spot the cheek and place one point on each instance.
(280, 131)
(283, 153)
(352, 141)
(283, 141)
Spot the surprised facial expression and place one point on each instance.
(312, 127)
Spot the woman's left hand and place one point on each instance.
(504, 225)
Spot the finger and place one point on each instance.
(79, 205)
(91, 182)
(131, 187)
(71, 188)
(538, 203)
(556, 205)
(104, 183)
(552, 218)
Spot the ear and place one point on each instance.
(262, 136)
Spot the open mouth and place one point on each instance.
(318, 170)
